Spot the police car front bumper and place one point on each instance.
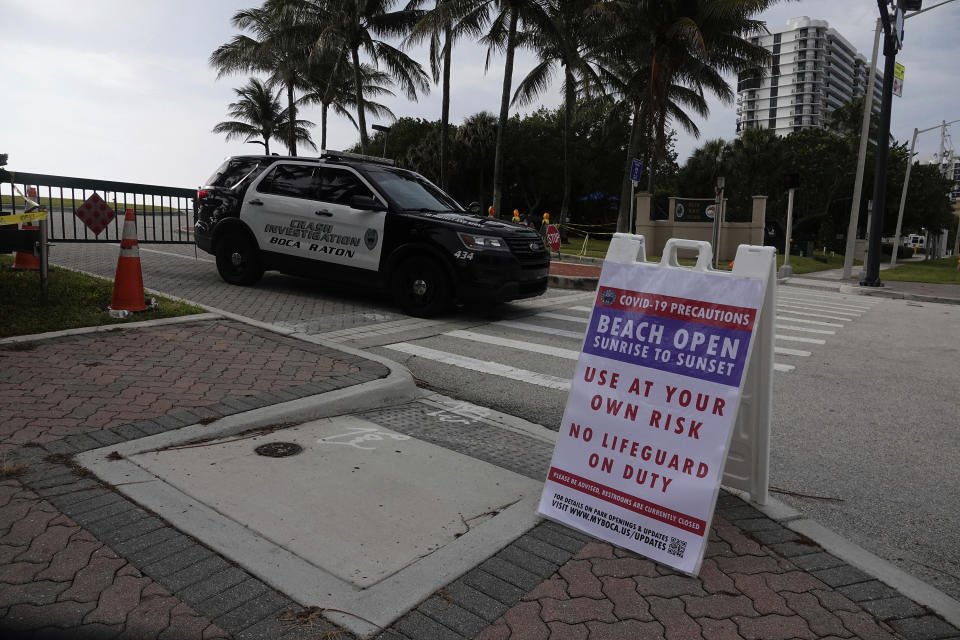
(494, 278)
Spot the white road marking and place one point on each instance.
(483, 366)
(808, 293)
(176, 255)
(783, 351)
(560, 316)
(786, 368)
(808, 307)
(569, 354)
(789, 327)
(587, 309)
(845, 307)
(812, 315)
(800, 339)
(802, 321)
(536, 328)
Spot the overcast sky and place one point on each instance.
(121, 89)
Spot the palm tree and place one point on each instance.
(666, 55)
(331, 86)
(443, 29)
(259, 115)
(503, 18)
(478, 135)
(564, 34)
(274, 49)
(342, 28)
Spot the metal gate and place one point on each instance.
(164, 214)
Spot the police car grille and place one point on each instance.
(521, 249)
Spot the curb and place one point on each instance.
(856, 556)
(579, 283)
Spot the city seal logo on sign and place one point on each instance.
(608, 297)
(370, 238)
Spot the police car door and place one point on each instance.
(279, 206)
(351, 237)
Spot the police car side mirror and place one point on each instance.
(366, 203)
(474, 208)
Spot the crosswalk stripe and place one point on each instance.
(819, 296)
(801, 339)
(803, 321)
(786, 368)
(569, 354)
(536, 328)
(789, 305)
(560, 316)
(789, 327)
(824, 305)
(811, 315)
(790, 352)
(483, 366)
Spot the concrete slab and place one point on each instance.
(364, 519)
(361, 501)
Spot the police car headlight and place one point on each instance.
(479, 243)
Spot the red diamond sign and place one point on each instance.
(95, 213)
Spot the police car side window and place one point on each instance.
(339, 185)
(291, 180)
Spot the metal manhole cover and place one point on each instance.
(278, 449)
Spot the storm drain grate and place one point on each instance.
(278, 449)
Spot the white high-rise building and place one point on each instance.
(813, 70)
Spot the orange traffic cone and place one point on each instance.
(25, 260)
(128, 283)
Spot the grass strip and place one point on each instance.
(942, 271)
(74, 300)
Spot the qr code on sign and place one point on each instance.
(677, 547)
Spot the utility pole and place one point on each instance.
(861, 157)
(914, 6)
(906, 183)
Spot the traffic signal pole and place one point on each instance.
(871, 276)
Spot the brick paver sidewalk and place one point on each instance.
(78, 560)
(759, 581)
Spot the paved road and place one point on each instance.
(865, 388)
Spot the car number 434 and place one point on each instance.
(463, 255)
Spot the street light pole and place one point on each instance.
(906, 182)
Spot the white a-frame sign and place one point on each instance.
(675, 371)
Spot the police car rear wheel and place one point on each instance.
(237, 260)
(421, 288)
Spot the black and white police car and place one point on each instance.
(360, 220)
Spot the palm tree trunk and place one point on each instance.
(445, 110)
(569, 102)
(361, 108)
(266, 142)
(323, 126)
(504, 112)
(626, 188)
(292, 131)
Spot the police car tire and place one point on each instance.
(250, 269)
(418, 273)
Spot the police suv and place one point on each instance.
(360, 220)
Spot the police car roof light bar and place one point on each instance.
(346, 155)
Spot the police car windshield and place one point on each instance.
(412, 192)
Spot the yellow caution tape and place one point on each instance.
(23, 218)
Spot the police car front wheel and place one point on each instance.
(238, 260)
(422, 288)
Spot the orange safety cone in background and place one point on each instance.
(24, 260)
(128, 282)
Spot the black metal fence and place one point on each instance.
(164, 214)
